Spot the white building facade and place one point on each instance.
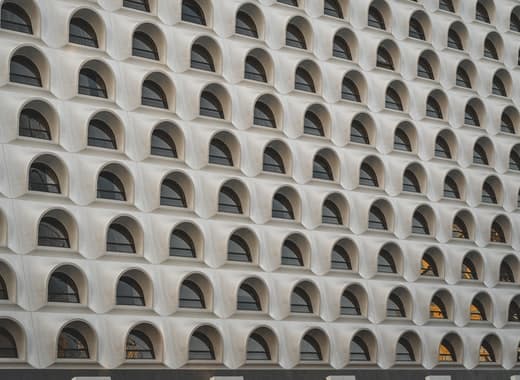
(291, 188)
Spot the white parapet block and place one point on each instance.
(92, 378)
(227, 378)
(515, 377)
(341, 378)
(438, 377)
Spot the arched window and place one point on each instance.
(62, 289)
(263, 115)
(514, 22)
(480, 155)
(385, 262)
(181, 245)
(468, 271)
(340, 48)
(498, 87)
(514, 160)
(4, 293)
(33, 124)
(43, 178)
(293, 3)
(349, 304)
(201, 58)
(447, 352)
(109, 186)
(294, 37)
(393, 100)
(228, 201)
(384, 59)
(349, 91)
(514, 312)
(367, 176)
(300, 301)
(497, 233)
(433, 109)
(410, 182)
(488, 194)
(310, 349)
(72, 345)
(454, 40)
(303, 81)
(429, 266)
(245, 25)
(91, 84)
(395, 307)
(219, 153)
(404, 351)
(129, 292)
(446, 5)
(238, 249)
(8, 347)
(119, 239)
(248, 299)
(438, 309)
(340, 259)
(330, 213)
(257, 348)
(506, 273)
(420, 224)
(200, 347)
(358, 133)
(139, 346)
(172, 194)
(424, 69)
(282, 208)
(153, 95)
(486, 353)
(312, 125)
(101, 135)
(192, 12)
(442, 148)
(162, 144)
(52, 233)
(359, 351)
(401, 141)
(191, 296)
(481, 13)
(451, 189)
(477, 311)
(254, 70)
(463, 79)
(376, 219)
(272, 161)
(140, 5)
(490, 50)
(210, 106)
(416, 30)
(459, 229)
(15, 18)
(291, 254)
(23, 70)
(82, 33)
(375, 18)
(321, 169)
(332, 8)
(506, 124)
(144, 46)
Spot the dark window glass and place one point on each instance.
(310, 349)
(153, 95)
(459, 229)
(248, 299)
(139, 346)
(312, 124)
(257, 348)
(433, 109)
(359, 351)
(8, 347)
(273, 162)
(52, 233)
(129, 292)
(506, 124)
(442, 148)
(245, 25)
(294, 37)
(490, 51)
(291, 254)
(238, 250)
(375, 18)
(340, 259)
(15, 18)
(162, 144)
(488, 194)
(300, 301)
(210, 106)
(514, 312)
(144, 46)
(100, 135)
(385, 262)
(376, 219)
(410, 182)
(349, 90)
(140, 5)
(303, 80)
(471, 117)
(181, 245)
(497, 233)
(191, 296)
(404, 351)
(254, 70)
(24, 71)
(172, 194)
(506, 273)
(420, 224)
(331, 213)
(282, 208)
(395, 307)
(340, 48)
(454, 40)
(486, 353)
(43, 178)
(477, 311)
(358, 133)
(514, 160)
(4, 293)
(119, 239)
(91, 84)
(219, 153)
(393, 100)
(479, 155)
(514, 23)
(192, 12)
(482, 13)
(263, 115)
(33, 124)
(228, 201)
(200, 347)
(401, 141)
(321, 169)
(332, 8)
(446, 5)
(349, 305)
(438, 309)
(498, 87)
(62, 289)
(72, 345)
(468, 271)
(201, 58)
(367, 176)
(424, 69)
(293, 3)
(429, 266)
(82, 33)
(416, 30)
(109, 186)
(463, 79)
(384, 59)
